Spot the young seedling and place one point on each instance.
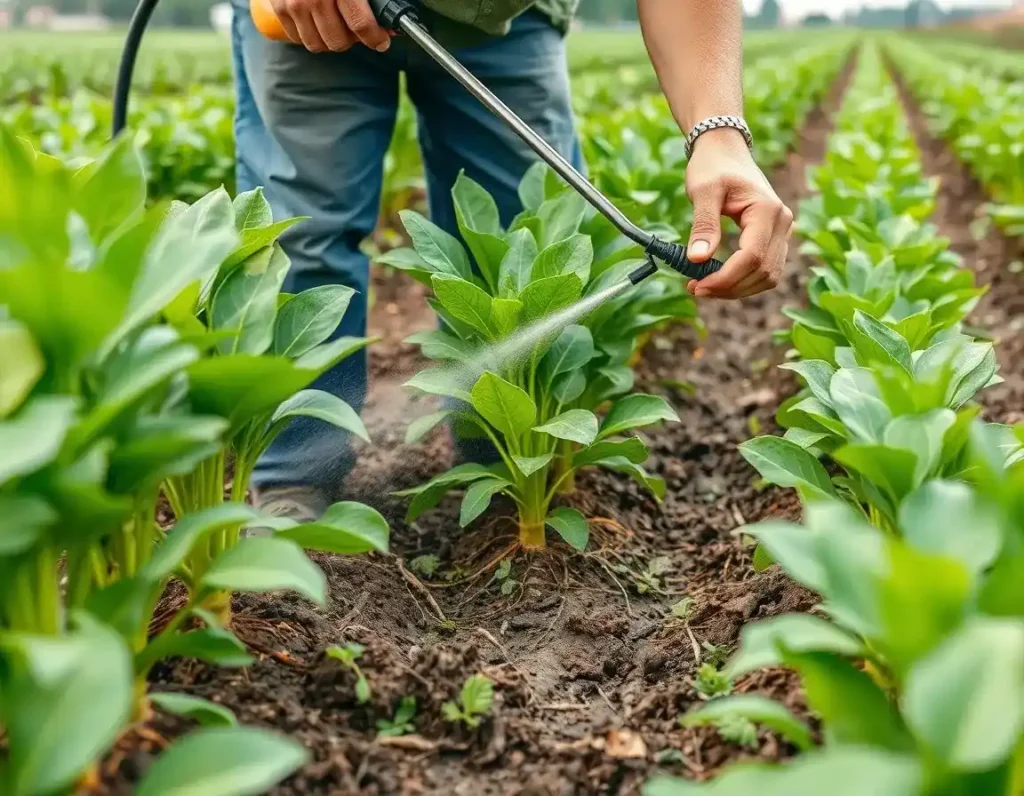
(503, 575)
(474, 702)
(401, 724)
(710, 682)
(426, 566)
(738, 730)
(650, 578)
(347, 656)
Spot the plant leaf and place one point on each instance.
(787, 464)
(478, 497)
(208, 714)
(636, 411)
(345, 528)
(576, 425)
(528, 465)
(571, 526)
(757, 709)
(236, 761)
(438, 249)
(322, 406)
(422, 426)
(464, 300)
(505, 406)
(258, 564)
(309, 318)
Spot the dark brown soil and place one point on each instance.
(591, 668)
(959, 217)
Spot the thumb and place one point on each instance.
(706, 233)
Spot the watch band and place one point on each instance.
(717, 122)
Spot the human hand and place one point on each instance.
(331, 25)
(723, 180)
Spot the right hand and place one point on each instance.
(331, 25)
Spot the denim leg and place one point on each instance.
(251, 137)
(527, 70)
(331, 117)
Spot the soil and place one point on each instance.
(591, 668)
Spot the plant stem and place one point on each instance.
(531, 534)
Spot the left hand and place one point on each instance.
(723, 180)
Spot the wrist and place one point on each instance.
(725, 139)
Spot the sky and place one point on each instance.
(797, 8)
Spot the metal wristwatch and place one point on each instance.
(715, 123)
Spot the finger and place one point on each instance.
(331, 26)
(757, 228)
(706, 233)
(308, 33)
(284, 15)
(760, 286)
(363, 24)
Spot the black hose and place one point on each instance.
(140, 19)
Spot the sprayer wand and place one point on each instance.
(401, 16)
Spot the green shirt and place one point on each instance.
(492, 16)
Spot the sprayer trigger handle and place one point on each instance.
(389, 12)
(698, 271)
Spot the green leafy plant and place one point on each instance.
(710, 682)
(527, 398)
(402, 723)
(348, 656)
(474, 702)
(426, 566)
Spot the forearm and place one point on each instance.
(696, 47)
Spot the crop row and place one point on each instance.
(977, 105)
(150, 357)
(913, 527)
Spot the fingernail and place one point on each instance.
(699, 248)
(701, 292)
(384, 46)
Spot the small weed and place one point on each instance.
(503, 575)
(347, 657)
(715, 654)
(401, 724)
(650, 579)
(683, 609)
(738, 730)
(474, 701)
(710, 682)
(425, 565)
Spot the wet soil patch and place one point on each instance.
(591, 666)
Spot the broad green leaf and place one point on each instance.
(631, 448)
(836, 771)
(505, 406)
(965, 701)
(445, 382)
(236, 761)
(111, 190)
(259, 564)
(188, 248)
(207, 713)
(877, 342)
(923, 436)
(253, 240)
(561, 216)
(211, 644)
(528, 465)
(517, 264)
(476, 208)
(439, 344)
(66, 700)
(787, 464)
(576, 425)
(544, 297)
(569, 386)
(531, 187)
(890, 469)
(321, 406)
(854, 710)
(505, 315)
(571, 526)
(252, 210)
(856, 399)
(573, 255)
(309, 318)
(817, 374)
(440, 250)
(652, 483)
(21, 367)
(636, 411)
(243, 386)
(465, 301)
(322, 358)
(478, 497)
(571, 350)
(191, 528)
(757, 709)
(477, 695)
(23, 520)
(32, 438)
(408, 260)
(793, 547)
(812, 345)
(346, 528)
(764, 644)
(422, 426)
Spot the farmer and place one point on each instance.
(314, 120)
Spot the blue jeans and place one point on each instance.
(313, 129)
